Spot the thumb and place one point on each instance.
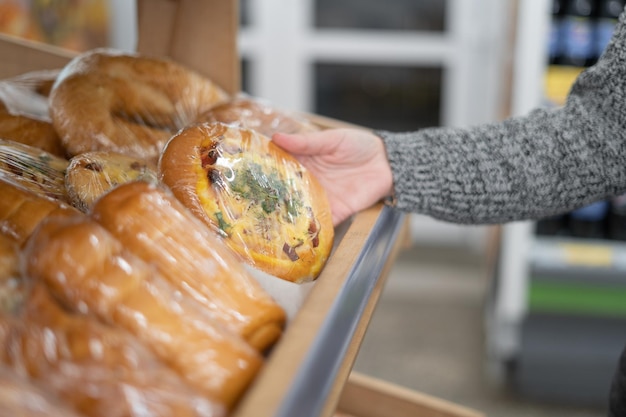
(302, 144)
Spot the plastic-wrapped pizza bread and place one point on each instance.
(92, 174)
(155, 226)
(92, 272)
(265, 204)
(92, 366)
(260, 115)
(127, 103)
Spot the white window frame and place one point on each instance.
(281, 44)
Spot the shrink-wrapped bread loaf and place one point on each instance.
(24, 115)
(126, 102)
(22, 210)
(91, 271)
(12, 286)
(33, 169)
(97, 369)
(155, 226)
(21, 397)
(266, 206)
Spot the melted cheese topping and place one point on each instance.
(262, 204)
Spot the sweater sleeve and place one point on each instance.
(544, 163)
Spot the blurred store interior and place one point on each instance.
(522, 319)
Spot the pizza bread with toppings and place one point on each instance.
(267, 207)
(92, 174)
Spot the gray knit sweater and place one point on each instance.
(541, 164)
(544, 163)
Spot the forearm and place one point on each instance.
(547, 162)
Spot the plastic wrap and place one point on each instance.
(21, 210)
(24, 111)
(126, 103)
(12, 287)
(266, 206)
(20, 397)
(97, 369)
(257, 114)
(92, 174)
(33, 169)
(159, 229)
(91, 271)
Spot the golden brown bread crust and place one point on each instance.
(267, 207)
(91, 365)
(89, 270)
(21, 397)
(155, 226)
(92, 174)
(22, 210)
(30, 131)
(12, 286)
(256, 114)
(21, 117)
(33, 169)
(128, 103)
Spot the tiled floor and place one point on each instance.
(427, 334)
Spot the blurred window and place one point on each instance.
(379, 96)
(245, 75)
(423, 15)
(245, 15)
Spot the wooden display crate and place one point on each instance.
(308, 368)
(364, 396)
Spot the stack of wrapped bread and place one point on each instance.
(138, 200)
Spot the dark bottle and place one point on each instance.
(556, 32)
(552, 226)
(617, 218)
(589, 221)
(578, 33)
(607, 12)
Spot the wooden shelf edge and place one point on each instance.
(309, 366)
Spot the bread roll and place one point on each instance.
(21, 397)
(24, 115)
(160, 230)
(92, 174)
(12, 286)
(100, 370)
(89, 270)
(127, 103)
(266, 205)
(22, 210)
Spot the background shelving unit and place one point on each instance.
(555, 317)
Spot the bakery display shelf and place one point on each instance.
(308, 368)
(364, 396)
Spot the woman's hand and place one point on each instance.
(350, 164)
